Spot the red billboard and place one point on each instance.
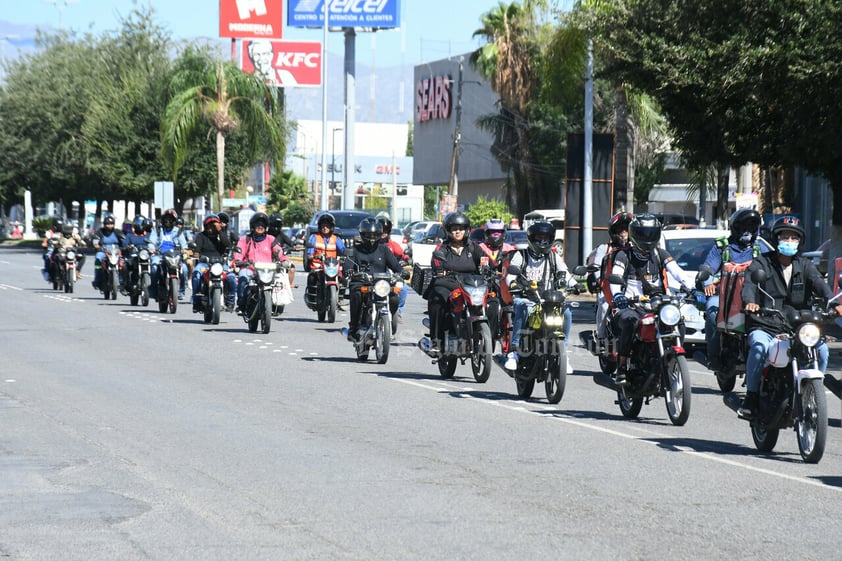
(251, 19)
(284, 63)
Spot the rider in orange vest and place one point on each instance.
(321, 245)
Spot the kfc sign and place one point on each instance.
(257, 19)
(433, 99)
(284, 63)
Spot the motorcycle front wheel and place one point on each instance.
(678, 390)
(481, 353)
(145, 281)
(811, 428)
(266, 311)
(70, 279)
(556, 372)
(332, 304)
(173, 296)
(382, 339)
(115, 282)
(215, 306)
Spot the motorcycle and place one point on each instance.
(281, 290)
(791, 385)
(257, 298)
(212, 289)
(543, 348)
(168, 280)
(657, 366)
(138, 274)
(323, 296)
(375, 328)
(64, 268)
(470, 335)
(111, 271)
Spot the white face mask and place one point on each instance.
(746, 238)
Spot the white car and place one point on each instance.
(424, 241)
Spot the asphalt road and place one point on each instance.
(126, 434)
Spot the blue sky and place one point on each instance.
(431, 29)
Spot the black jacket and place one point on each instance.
(805, 282)
(373, 260)
(211, 246)
(446, 259)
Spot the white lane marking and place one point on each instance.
(570, 420)
(9, 287)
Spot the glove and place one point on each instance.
(699, 295)
(577, 289)
(620, 301)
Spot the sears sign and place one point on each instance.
(344, 13)
(284, 63)
(251, 18)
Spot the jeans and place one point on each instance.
(712, 340)
(156, 273)
(758, 347)
(230, 283)
(522, 307)
(402, 297)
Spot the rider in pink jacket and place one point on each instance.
(255, 247)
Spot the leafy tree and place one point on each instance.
(214, 93)
(298, 213)
(485, 209)
(285, 188)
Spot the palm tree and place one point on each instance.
(207, 91)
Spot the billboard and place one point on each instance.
(284, 63)
(380, 14)
(251, 19)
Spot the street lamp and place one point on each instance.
(333, 159)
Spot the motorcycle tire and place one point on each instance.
(71, 280)
(764, 438)
(277, 310)
(215, 307)
(382, 339)
(172, 302)
(811, 428)
(607, 365)
(253, 321)
(524, 386)
(115, 282)
(266, 311)
(447, 366)
(556, 372)
(145, 282)
(678, 394)
(629, 406)
(725, 381)
(163, 298)
(332, 304)
(481, 353)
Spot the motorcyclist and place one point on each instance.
(276, 229)
(494, 246)
(541, 264)
(106, 235)
(256, 246)
(645, 269)
(372, 257)
(740, 247)
(137, 237)
(603, 256)
(320, 245)
(791, 281)
(188, 254)
(400, 255)
(233, 236)
(55, 230)
(208, 243)
(168, 237)
(70, 239)
(455, 254)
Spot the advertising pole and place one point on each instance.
(324, 204)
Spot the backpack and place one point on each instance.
(731, 318)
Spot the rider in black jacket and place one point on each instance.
(209, 243)
(372, 257)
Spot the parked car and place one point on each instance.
(347, 223)
(673, 220)
(819, 256)
(424, 242)
(518, 239)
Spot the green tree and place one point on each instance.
(285, 188)
(210, 92)
(484, 209)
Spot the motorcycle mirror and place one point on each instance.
(615, 279)
(758, 276)
(580, 270)
(514, 270)
(703, 275)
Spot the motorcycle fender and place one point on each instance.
(807, 374)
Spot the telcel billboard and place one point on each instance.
(256, 19)
(380, 14)
(284, 63)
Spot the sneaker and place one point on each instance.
(620, 378)
(426, 344)
(569, 366)
(353, 335)
(400, 317)
(426, 322)
(511, 361)
(748, 408)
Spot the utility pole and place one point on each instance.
(453, 187)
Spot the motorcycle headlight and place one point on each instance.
(173, 261)
(216, 269)
(266, 275)
(476, 294)
(809, 334)
(670, 314)
(70, 255)
(144, 255)
(382, 288)
(332, 270)
(554, 320)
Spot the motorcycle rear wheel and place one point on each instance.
(607, 365)
(764, 438)
(725, 381)
(133, 298)
(556, 372)
(678, 390)
(481, 353)
(811, 429)
(382, 339)
(524, 386)
(629, 406)
(447, 366)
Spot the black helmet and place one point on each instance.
(456, 219)
(619, 223)
(57, 223)
(385, 223)
(787, 222)
(540, 236)
(224, 218)
(138, 224)
(370, 232)
(644, 232)
(210, 219)
(276, 224)
(109, 220)
(67, 228)
(147, 225)
(168, 218)
(259, 218)
(328, 220)
(745, 220)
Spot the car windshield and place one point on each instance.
(689, 253)
(347, 221)
(516, 236)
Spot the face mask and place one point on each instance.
(788, 248)
(257, 238)
(746, 238)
